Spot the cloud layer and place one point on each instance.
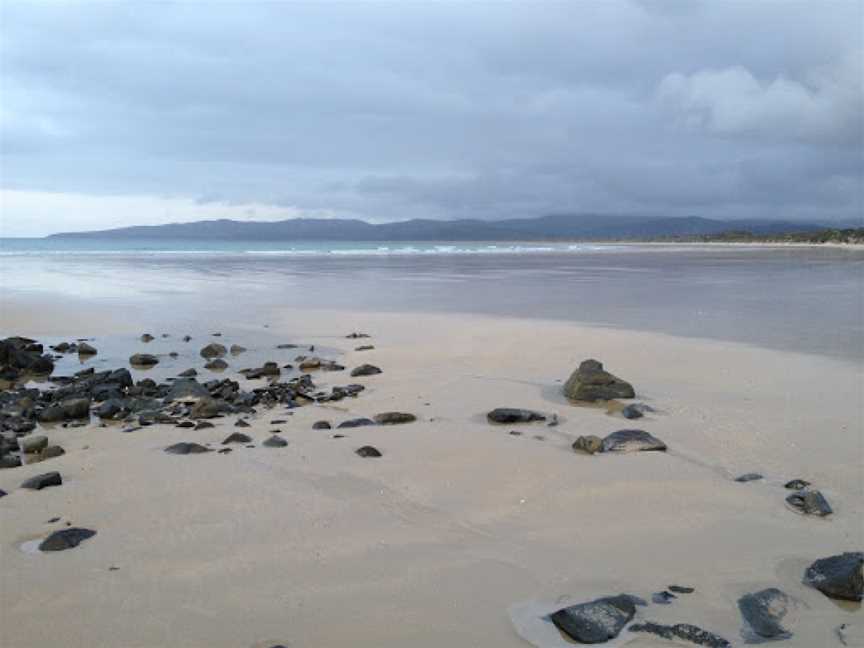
(439, 110)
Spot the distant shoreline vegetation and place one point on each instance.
(848, 236)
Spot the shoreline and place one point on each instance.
(459, 520)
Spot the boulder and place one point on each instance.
(207, 408)
(511, 415)
(589, 444)
(590, 382)
(85, 349)
(33, 443)
(358, 422)
(236, 349)
(632, 441)
(321, 425)
(218, 364)
(838, 577)
(365, 370)
(275, 442)
(51, 451)
(143, 360)
(596, 621)
(189, 373)
(796, 484)
(394, 418)
(213, 350)
(237, 437)
(76, 408)
(368, 452)
(185, 447)
(748, 477)
(38, 482)
(809, 502)
(764, 612)
(147, 338)
(66, 539)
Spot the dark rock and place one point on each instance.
(225, 450)
(216, 365)
(764, 612)
(358, 422)
(514, 433)
(66, 539)
(275, 442)
(590, 382)
(3, 493)
(364, 347)
(663, 598)
(9, 461)
(748, 477)
(632, 441)
(287, 345)
(632, 412)
(237, 437)
(189, 373)
(143, 360)
(809, 502)
(510, 415)
(186, 424)
(368, 452)
(682, 631)
(680, 589)
(357, 336)
(213, 350)
(394, 418)
(596, 621)
(321, 425)
(365, 370)
(207, 408)
(236, 349)
(185, 447)
(241, 423)
(33, 444)
(796, 484)
(44, 480)
(838, 577)
(589, 444)
(186, 390)
(187, 338)
(203, 425)
(76, 408)
(110, 408)
(51, 452)
(147, 338)
(85, 349)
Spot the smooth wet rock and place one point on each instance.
(796, 484)
(394, 418)
(590, 382)
(66, 539)
(682, 632)
(186, 390)
(51, 452)
(589, 444)
(632, 441)
(748, 477)
(765, 611)
(838, 577)
(237, 437)
(217, 364)
(213, 350)
(809, 502)
(321, 425)
(275, 442)
(358, 422)
(143, 360)
(365, 370)
(236, 349)
(33, 444)
(511, 415)
(185, 448)
(595, 621)
(38, 482)
(368, 452)
(85, 349)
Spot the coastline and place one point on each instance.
(459, 520)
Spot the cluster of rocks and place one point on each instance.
(619, 441)
(20, 358)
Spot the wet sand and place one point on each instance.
(433, 543)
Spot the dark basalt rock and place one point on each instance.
(236, 349)
(237, 437)
(663, 598)
(185, 448)
(590, 382)
(368, 452)
(838, 577)
(511, 415)
(748, 477)
(764, 612)
(85, 349)
(216, 365)
(681, 589)
(9, 461)
(186, 390)
(365, 370)
(38, 482)
(358, 422)
(275, 442)
(66, 539)
(203, 425)
(321, 425)
(589, 444)
(186, 425)
(51, 452)
(147, 338)
(3, 493)
(596, 621)
(683, 632)
(632, 441)
(33, 444)
(809, 502)
(241, 423)
(110, 408)
(357, 336)
(213, 350)
(632, 412)
(364, 347)
(796, 484)
(143, 360)
(394, 418)
(189, 373)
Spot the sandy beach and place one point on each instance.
(460, 520)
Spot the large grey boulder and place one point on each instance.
(590, 382)
(213, 350)
(143, 360)
(838, 577)
(764, 612)
(596, 621)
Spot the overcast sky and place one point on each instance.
(120, 113)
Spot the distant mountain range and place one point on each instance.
(545, 228)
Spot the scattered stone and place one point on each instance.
(850, 634)
(632, 441)
(358, 422)
(394, 418)
(809, 502)
(143, 360)
(365, 370)
(275, 442)
(321, 425)
(44, 480)
(838, 577)
(764, 612)
(590, 382)
(682, 631)
(632, 412)
(225, 450)
(663, 598)
(147, 338)
(241, 423)
(514, 415)
(553, 421)
(357, 336)
(187, 338)
(364, 347)
(66, 539)
(748, 477)
(680, 589)
(216, 365)
(207, 408)
(796, 484)
(186, 424)
(368, 452)
(185, 447)
(213, 350)
(33, 444)
(51, 452)
(596, 621)
(514, 433)
(278, 422)
(203, 425)
(237, 437)
(3, 493)
(186, 390)
(9, 461)
(589, 444)
(85, 349)
(236, 349)
(189, 373)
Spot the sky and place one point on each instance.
(127, 113)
